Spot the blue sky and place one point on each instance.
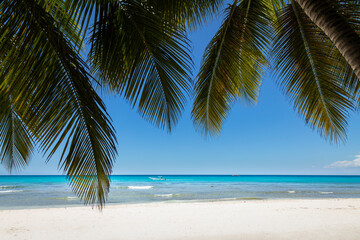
(268, 138)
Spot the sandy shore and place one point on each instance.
(263, 219)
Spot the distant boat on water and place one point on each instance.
(159, 178)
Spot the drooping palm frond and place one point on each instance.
(81, 12)
(16, 141)
(66, 23)
(233, 64)
(304, 67)
(277, 7)
(189, 13)
(141, 56)
(345, 76)
(350, 10)
(50, 85)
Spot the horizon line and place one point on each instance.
(207, 174)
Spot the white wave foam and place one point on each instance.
(119, 187)
(326, 192)
(10, 191)
(291, 191)
(164, 195)
(140, 187)
(232, 198)
(71, 198)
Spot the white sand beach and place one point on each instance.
(228, 220)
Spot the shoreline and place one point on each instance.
(229, 220)
(220, 200)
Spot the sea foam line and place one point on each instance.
(10, 191)
(71, 198)
(164, 195)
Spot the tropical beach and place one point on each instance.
(232, 220)
(179, 120)
(194, 207)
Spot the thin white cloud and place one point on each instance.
(346, 164)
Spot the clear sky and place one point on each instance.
(268, 138)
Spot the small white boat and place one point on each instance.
(160, 178)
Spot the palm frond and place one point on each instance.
(233, 64)
(54, 94)
(80, 12)
(190, 13)
(141, 56)
(278, 5)
(66, 23)
(350, 10)
(16, 141)
(304, 67)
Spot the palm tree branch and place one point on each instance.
(146, 60)
(218, 54)
(15, 139)
(232, 66)
(310, 57)
(55, 91)
(153, 59)
(305, 66)
(185, 13)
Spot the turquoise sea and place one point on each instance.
(53, 191)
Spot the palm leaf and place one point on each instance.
(67, 24)
(233, 64)
(304, 67)
(16, 141)
(141, 56)
(350, 10)
(80, 12)
(54, 95)
(190, 13)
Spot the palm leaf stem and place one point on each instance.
(246, 19)
(311, 60)
(149, 50)
(16, 142)
(245, 22)
(336, 27)
(55, 46)
(91, 185)
(218, 53)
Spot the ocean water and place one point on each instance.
(18, 192)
